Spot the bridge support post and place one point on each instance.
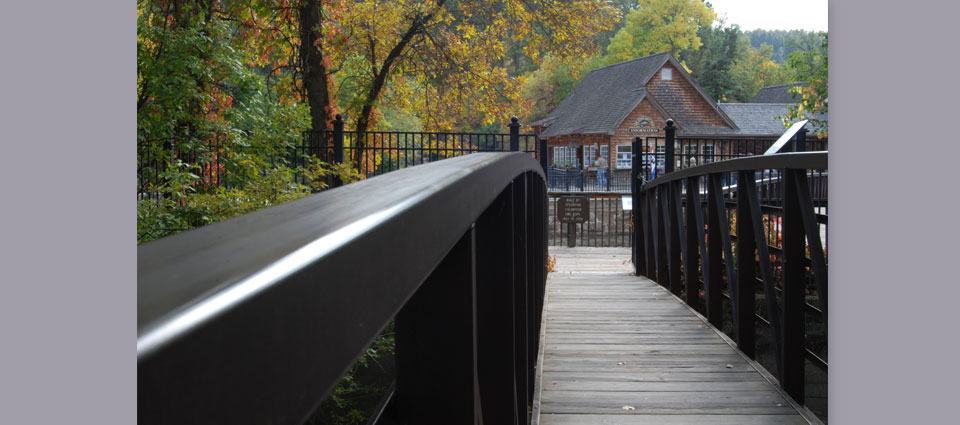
(660, 248)
(694, 236)
(794, 283)
(436, 344)
(543, 156)
(639, 255)
(522, 239)
(649, 217)
(713, 268)
(746, 270)
(497, 315)
(800, 143)
(675, 239)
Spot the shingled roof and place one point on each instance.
(601, 98)
(604, 98)
(776, 94)
(755, 119)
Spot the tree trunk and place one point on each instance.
(315, 78)
(380, 79)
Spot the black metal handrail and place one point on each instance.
(791, 160)
(255, 319)
(685, 244)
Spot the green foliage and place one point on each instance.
(711, 64)
(783, 42)
(754, 70)
(364, 384)
(810, 66)
(184, 209)
(555, 79)
(660, 25)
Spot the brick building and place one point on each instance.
(614, 104)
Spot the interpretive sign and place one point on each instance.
(573, 209)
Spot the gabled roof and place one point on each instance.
(756, 119)
(776, 94)
(643, 95)
(604, 98)
(601, 98)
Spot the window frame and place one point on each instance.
(626, 162)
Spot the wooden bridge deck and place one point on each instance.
(620, 349)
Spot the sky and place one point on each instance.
(810, 15)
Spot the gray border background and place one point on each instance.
(67, 248)
(67, 244)
(893, 186)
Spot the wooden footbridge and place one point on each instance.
(254, 320)
(620, 349)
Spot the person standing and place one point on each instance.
(601, 165)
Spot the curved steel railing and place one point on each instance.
(255, 319)
(684, 242)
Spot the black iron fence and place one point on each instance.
(690, 152)
(609, 223)
(255, 320)
(371, 153)
(572, 179)
(754, 263)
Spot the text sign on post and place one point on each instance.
(573, 209)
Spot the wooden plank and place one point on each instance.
(656, 376)
(612, 340)
(579, 419)
(645, 386)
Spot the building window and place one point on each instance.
(690, 155)
(709, 153)
(661, 156)
(590, 154)
(666, 74)
(624, 156)
(564, 156)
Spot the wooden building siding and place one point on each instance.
(646, 109)
(682, 100)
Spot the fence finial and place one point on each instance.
(514, 134)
